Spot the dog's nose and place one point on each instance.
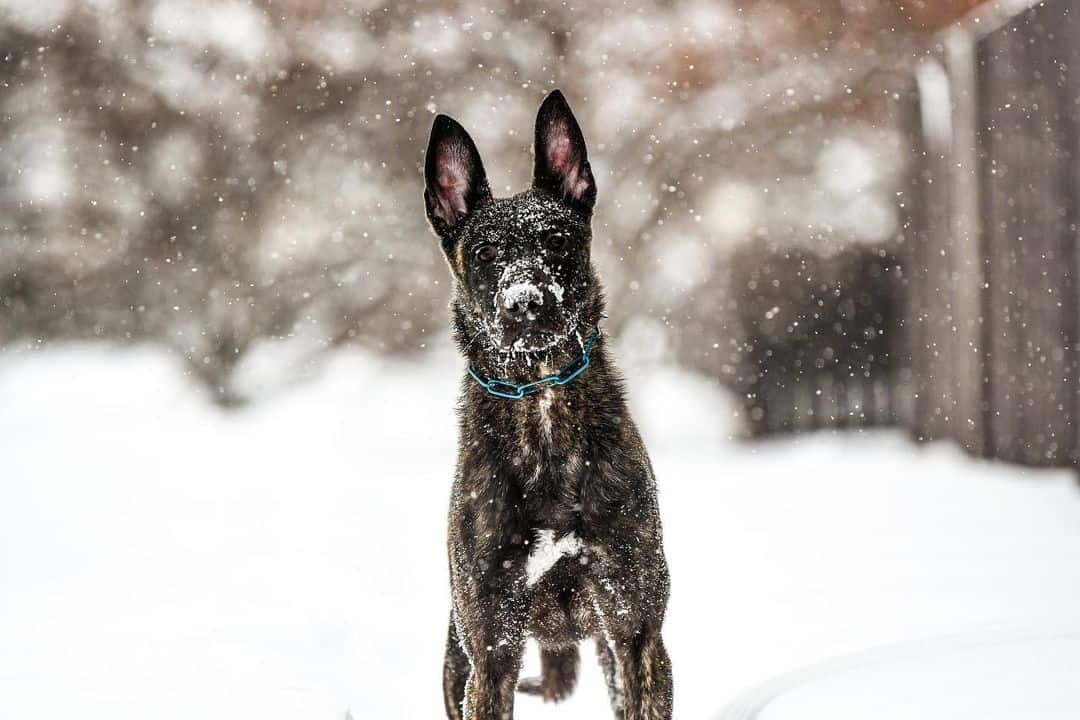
(521, 300)
(519, 308)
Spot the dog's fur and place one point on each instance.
(554, 529)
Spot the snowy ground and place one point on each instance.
(160, 558)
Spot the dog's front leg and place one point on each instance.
(638, 669)
(629, 611)
(488, 553)
(643, 663)
(491, 609)
(493, 627)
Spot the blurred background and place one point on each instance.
(216, 275)
(850, 212)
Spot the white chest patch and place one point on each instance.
(547, 551)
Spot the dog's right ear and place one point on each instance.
(455, 182)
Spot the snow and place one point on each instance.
(163, 558)
(520, 292)
(556, 290)
(1015, 674)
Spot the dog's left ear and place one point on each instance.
(562, 163)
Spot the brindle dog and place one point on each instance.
(554, 529)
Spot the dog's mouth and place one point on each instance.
(528, 339)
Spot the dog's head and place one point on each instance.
(521, 264)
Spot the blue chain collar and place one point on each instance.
(504, 389)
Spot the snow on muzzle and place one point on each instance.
(528, 310)
(521, 292)
(522, 300)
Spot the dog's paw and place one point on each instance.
(551, 689)
(531, 686)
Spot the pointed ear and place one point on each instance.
(562, 163)
(455, 182)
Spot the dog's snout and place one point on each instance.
(521, 300)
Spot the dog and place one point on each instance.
(554, 528)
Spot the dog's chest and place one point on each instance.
(543, 428)
(551, 493)
(543, 423)
(540, 488)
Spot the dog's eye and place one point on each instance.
(486, 253)
(556, 242)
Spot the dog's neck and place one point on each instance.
(552, 427)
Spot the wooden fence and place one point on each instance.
(979, 321)
(992, 326)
